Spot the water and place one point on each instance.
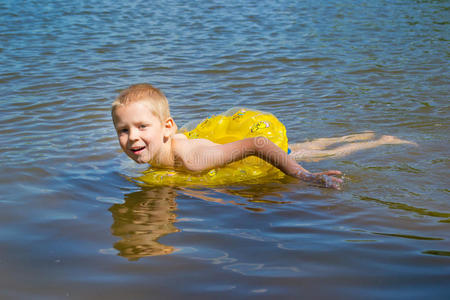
(73, 225)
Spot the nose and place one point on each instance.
(133, 134)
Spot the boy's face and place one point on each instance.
(140, 132)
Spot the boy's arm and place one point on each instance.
(207, 156)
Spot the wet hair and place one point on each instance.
(153, 97)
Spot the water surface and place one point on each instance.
(74, 226)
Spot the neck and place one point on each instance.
(165, 157)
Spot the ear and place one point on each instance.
(169, 127)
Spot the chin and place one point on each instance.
(141, 161)
(138, 160)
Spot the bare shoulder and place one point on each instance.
(183, 146)
(188, 151)
(179, 136)
(181, 139)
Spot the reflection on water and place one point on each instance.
(148, 214)
(145, 217)
(324, 68)
(402, 206)
(246, 196)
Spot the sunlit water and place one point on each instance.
(73, 225)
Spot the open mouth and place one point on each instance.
(137, 150)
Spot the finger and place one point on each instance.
(338, 180)
(328, 181)
(333, 172)
(337, 184)
(334, 182)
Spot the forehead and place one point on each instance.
(132, 112)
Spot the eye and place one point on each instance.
(122, 130)
(143, 126)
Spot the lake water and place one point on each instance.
(74, 226)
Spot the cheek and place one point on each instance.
(153, 137)
(122, 141)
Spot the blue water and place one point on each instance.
(74, 226)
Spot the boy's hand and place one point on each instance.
(326, 179)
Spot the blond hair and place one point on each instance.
(153, 97)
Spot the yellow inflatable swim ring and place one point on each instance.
(234, 124)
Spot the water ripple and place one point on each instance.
(324, 68)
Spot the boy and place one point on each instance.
(148, 134)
